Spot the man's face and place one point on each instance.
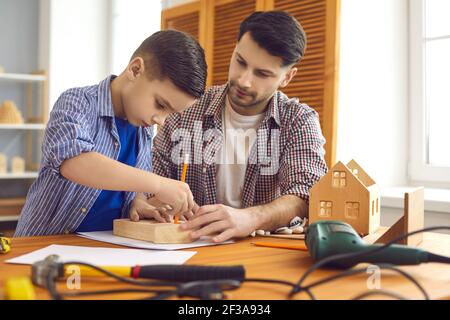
(254, 74)
(148, 102)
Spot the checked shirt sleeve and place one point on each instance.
(302, 163)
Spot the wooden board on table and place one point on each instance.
(150, 230)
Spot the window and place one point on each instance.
(429, 93)
(339, 179)
(352, 210)
(326, 208)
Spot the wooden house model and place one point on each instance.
(346, 193)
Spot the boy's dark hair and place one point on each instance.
(277, 32)
(177, 56)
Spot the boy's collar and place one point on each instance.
(104, 97)
(105, 101)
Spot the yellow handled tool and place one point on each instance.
(19, 288)
(5, 245)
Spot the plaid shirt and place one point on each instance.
(287, 158)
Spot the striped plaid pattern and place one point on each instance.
(82, 120)
(299, 150)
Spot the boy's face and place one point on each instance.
(254, 74)
(148, 102)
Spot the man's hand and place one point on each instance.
(188, 215)
(221, 222)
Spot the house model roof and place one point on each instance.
(359, 173)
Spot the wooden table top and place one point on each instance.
(259, 262)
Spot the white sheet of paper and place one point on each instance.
(108, 236)
(105, 256)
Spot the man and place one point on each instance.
(266, 184)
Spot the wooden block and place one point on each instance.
(412, 220)
(414, 215)
(150, 230)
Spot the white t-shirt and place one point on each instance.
(239, 137)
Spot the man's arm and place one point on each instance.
(224, 222)
(301, 166)
(278, 213)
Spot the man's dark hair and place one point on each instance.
(277, 32)
(175, 55)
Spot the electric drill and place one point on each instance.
(328, 238)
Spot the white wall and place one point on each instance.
(173, 3)
(131, 23)
(373, 95)
(77, 43)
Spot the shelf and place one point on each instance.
(22, 77)
(25, 175)
(9, 218)
(23, 126)
(10, 208)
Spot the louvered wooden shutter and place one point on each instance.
(216, 24)
(308, 84)
(183, 18)
(228, 15)
(316, 80)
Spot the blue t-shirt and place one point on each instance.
(108, 205)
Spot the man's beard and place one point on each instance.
(238, 101)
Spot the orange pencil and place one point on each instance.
(183, 177)
(301, 247)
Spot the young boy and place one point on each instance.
(97, 145)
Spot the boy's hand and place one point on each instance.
(188, 215)
(176, 194)
(141, 209)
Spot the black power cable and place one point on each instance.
(205, 289)
(213, 289)
(351, 272)
(437, 258)
(432, 258)
(386, 293)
